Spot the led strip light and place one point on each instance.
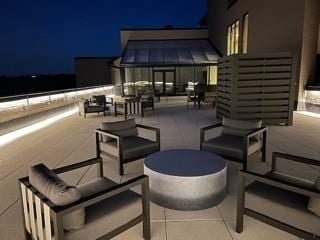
(11, 136)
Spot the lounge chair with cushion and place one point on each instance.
(121, 141)
(99, 209)
(210, 98)
(284, 201)
(239, 139)
(146, 101)
(86, 107)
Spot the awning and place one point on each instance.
(169, 52)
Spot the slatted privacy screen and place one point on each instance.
(36, 215)
(257, 87)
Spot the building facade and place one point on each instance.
(169, 61)
(268, 26)
(93, 71)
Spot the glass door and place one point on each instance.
(169, 77)
(158, 78)
(164, 82)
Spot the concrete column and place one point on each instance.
(309, 48)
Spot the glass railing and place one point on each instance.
(27, 101)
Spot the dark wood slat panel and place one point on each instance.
(257, 87)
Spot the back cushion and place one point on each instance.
(314, 203)
(126, 128)
(58, 192)
(238, 127)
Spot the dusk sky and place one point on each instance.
(40, 37)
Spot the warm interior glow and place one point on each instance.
(11, 136)
(245, 32)
(233, 38)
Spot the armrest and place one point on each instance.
(280, 184)
(77, 165)
(148, 127)
(203, 130)
(277, 155)
(256, 132)
(142, 180)
(108, 134)
(156, 130)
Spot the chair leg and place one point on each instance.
(240, 206)
(264, 147)
(121, 170)
(146, 211)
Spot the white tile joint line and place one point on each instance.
(11, 136)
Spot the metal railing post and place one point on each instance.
(28, 102)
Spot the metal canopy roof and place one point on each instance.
(169, 52)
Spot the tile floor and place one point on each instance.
(71, 140)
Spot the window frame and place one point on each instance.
(233, 44)
(245, 19)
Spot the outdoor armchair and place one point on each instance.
(238, 140)
(280, 199)
(146, 101)
(210, 98)
(121, 141)
(102, 207)
(86, 107)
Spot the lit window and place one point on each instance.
(245, 30)
(236, 38)
(229, 41)
(233, 38)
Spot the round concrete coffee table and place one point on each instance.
(185, 179)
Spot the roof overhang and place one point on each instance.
(180, 52)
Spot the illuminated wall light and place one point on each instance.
(11, 136)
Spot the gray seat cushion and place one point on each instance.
(126, 128)
(93, 109)
(282, 205)
(237, 127)
(107, 215)
(230, 146)
(133, 147)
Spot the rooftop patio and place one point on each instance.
(72, 139)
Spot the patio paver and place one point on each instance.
(72, 139)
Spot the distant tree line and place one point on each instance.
(15, 85)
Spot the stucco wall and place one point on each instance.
(92, 71)
(146, 34)
(319, 40)
(309, 46)
(273, 25)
